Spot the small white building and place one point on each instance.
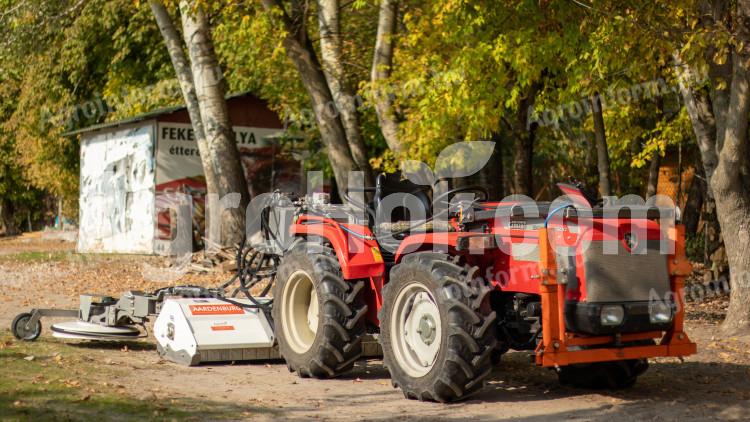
(127, 165)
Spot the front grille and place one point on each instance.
(625, 277)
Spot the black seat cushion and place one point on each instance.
(389, 183)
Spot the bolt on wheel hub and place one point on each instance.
(426, 329)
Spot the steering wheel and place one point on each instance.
(444, 197)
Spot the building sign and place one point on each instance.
(179, 170)
(177, 154)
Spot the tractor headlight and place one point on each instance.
(612, 315)
(659, 312)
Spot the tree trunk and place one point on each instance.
(701, 112)
(210, 90)
(382, 63)
(8, 219)
(602, 154)
(731, 188)
(653, 175)
(524, 155)
(714, 13)
(187, 86)
(692, 213)
(525, 132)
(300, 51)
(699, 109)
(333, 68)
(493, 171)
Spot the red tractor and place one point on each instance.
(591, 293)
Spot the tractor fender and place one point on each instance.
(443, 242)
(357, 250)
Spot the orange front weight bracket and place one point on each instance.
(553, 350)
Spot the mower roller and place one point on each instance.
(589, 292)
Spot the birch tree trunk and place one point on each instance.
(185, 77)
(210, 90)
(300, 51)
(382, 63)
(343, 96)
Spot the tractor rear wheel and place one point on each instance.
(436, 339)
(319, 317)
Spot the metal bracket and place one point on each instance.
(37, 314)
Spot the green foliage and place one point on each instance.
(253, 58)
(464, 67)
(72, 64)
(461, 71)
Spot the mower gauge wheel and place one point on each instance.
(20, 329)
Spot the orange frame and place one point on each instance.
(554, 350)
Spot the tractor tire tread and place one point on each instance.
(338, 341)
(465, 365)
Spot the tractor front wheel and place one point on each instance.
(319, 317)
(436, 339)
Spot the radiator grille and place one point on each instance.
(624, 277)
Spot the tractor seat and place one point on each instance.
(390, 183)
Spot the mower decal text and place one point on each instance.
(216, 310)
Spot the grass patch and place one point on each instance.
(31, 257)
(64, 382)
(37, 256)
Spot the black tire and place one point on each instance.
(20, 332)
(337, 342)
(614, 375)
(467, 340)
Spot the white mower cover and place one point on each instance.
(191, 331)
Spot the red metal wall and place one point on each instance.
(245, 110)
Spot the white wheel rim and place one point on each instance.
(299, 311)
(416, 332)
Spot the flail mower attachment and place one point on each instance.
(193, 324)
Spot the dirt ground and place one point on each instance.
(48, 379)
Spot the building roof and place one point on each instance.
(141, 117)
